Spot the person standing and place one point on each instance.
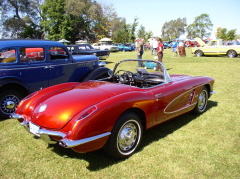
(151, 45)
(181, 49)
(140, 46)
(136, 43)
(174, 48)
(155, 45)
(160, 49)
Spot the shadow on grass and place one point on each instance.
(99, 160)
(107, 62)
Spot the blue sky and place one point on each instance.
(152, 14)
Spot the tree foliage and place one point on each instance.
(82, 19)
(54, 18)
(89, 20)
(174, 28)
(121, 36)
(201, 27)
(132, 30)
(223, 33)
(190, 30)
(141, 33)
(20, 18)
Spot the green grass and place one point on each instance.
(190, 146)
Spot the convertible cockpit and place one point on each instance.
(142, 78)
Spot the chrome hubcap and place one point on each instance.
(9, 104)
(127, 136)
(202, 101)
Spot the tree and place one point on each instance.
(191, 33)
(174, 28)
(237, 37)
(107, 23)
(223, 33)
(149, 35)
(54, 18)
(201, 27)
(141, 33)
(231, 34)
(132, 30)
(217, 34)
(121, 36)
(87, 19)
(20, 18)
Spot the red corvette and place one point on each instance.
(111, 113)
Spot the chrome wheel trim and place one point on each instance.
(202, 101)
(9, 103)
(198, 54)
(231, 54)
(128, 137)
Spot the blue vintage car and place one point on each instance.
(122, 47)
(87, 49)
(130, 45)
(30, 65)
(167, 44)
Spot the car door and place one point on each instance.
(168, 101)
(60, 65)
(211, 48)
(32, 68)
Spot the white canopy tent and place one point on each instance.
(64, 41)
(105, 40)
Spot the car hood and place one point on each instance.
(55, 109)
(200, 42)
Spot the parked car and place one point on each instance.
(87, 49)
(191, 43)
(131, 45)
(167, 44)
(30, 65)
(232, 43)
(105, 46)
(112, 113)
(215, 47)
(122, 47)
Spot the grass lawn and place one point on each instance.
(190, 146)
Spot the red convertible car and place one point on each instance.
(113, 112)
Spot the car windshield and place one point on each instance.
(85, 47)
(140, 73)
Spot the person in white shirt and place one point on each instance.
(155, 45)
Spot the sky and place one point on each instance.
(152, 14)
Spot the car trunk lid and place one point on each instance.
(54, 110)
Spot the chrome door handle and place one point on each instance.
(157, 96)
(49, 67)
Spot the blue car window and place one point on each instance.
(8, 55)
(58, 53)
(31, 54)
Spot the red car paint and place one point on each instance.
(83, 110)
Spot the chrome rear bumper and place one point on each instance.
(69, 144)
(45, 134)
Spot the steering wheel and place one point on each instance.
(125, 78)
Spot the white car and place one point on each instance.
(105, 46)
